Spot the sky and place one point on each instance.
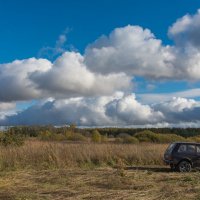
(100, 63)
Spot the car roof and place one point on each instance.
(195, 143)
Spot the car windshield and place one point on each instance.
(170, 148)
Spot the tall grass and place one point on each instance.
(43, 155)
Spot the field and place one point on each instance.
(60, 170)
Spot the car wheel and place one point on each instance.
(184, 166)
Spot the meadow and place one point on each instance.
(83, 166)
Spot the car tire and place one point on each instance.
(184, 166)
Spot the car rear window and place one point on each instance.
(198, 149)
(186, 148)
(170, 148)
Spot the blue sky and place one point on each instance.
(47, 29)
(27, 25)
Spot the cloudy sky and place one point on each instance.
(100, 63)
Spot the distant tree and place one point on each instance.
(96, 136)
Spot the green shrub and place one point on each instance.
(8, 138)
(96, 136)
(45, 135)
(130, 140)
(194, 139)
(69, 135)
(149, 136)
(166, 138)
(73, 136)
(127, 139)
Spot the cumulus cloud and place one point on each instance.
(138, 52)
(129, 111)
(116, 110)
(132, 50)
(150, 98)
(84, 88)
(180, 110)
(66, 77)
(185, 31)
(107, 66)
(14, 81)
(82, 111)
(6, 109)
(69, 76)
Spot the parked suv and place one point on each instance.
(183, 156)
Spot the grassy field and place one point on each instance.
(56, 170)
(58, 155)
(101, 183)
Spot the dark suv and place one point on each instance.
(182, 156)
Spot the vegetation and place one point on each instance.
(136, 183)
(9, 138)
(71, 163)
(96, 136)
(149, 136)
(17, 135)
(36, 154)
(34, 131)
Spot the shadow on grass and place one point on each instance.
(151, 169)
(156, 169)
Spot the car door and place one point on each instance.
(197, 159)
(187, 151)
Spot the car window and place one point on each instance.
(186, 148)
(170, 148)
(198, 149)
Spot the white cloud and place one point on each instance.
(83, 88)
(180, 110)
(6, 109)
(115, 110)
(185, 31)
(66, 77)
(150, 98)
(132, 50)
(128, 111)
(82, 111)
(69, 77)
(135, 51)
(14, 81)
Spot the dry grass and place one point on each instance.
(106, 183)
(58, 171)
(45, 155)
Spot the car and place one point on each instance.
(182, 156)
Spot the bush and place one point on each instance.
(45, 135)
(149, 136)
(166, 138)
(69, 135)
(96, 136)
(194, 139)
(73, 136)
(127, 139)
(130, 140)
(8, 138)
